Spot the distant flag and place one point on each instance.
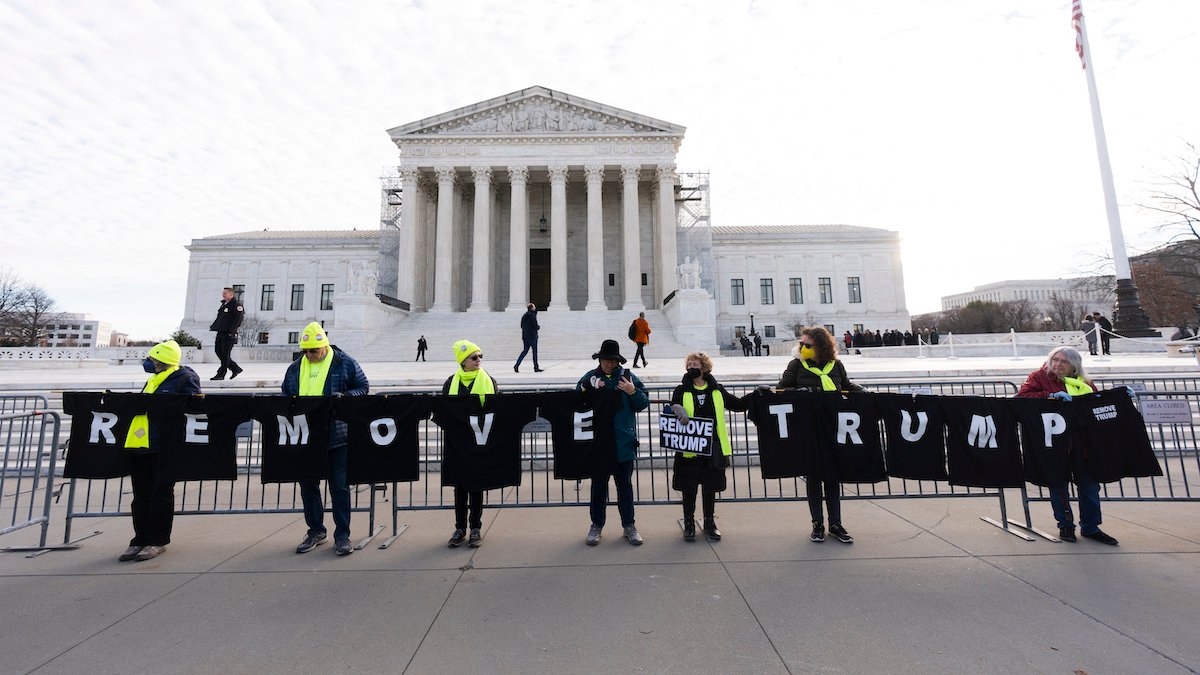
(1077, 23)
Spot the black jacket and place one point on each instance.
(798, 377)
(529, 326)
(229, 317)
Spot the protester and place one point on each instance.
(153, 506)
(610, 375)
(469, 380)
(700, 395)
(815, 366)
(1062, 377)
(640, 334)
(529, 337)
(325, 370)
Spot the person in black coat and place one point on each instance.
(469, 380)
(226, 325)
(153, 506)
(529, 337)
(815, 366)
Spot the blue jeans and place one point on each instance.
(623, 476)
(339, 493)
(1088, 492)
(529, 344)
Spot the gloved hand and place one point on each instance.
(722, 460)
(1060, 395)
(339, 394)
(596, 382)
(680, 413)
(1131, 392)
(763, 388)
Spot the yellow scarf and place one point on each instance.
(1076, 386)
(823, 373)
(478, 380)
(313, 375)
(139, 428)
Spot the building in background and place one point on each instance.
(1093, 294)
(65, 329)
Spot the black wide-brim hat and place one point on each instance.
(609, 349)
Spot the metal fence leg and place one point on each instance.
(1004, 521)
(1028, 524)
(397, 528)
(370, 525)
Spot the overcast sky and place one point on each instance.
(129, 128)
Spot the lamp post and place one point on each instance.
(752, 323)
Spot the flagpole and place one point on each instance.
(1130, 320)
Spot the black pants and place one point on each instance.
(640, 353)
(464, 501)
(420, 355)
(833, 500)
(528, 344)
(1104, 342)
(224, 348)
(153, 503)
(709, 503)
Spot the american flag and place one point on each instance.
(1077, 22)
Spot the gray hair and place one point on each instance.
(1072, 356)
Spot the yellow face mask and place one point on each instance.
(807, 353)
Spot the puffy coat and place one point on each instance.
(345, 377)
(796, 376)
(1041, 383)
(625, 420)
(183, 381)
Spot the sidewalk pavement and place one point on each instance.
(926, 587)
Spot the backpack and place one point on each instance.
(633, 329)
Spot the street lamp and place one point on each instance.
(752, 323)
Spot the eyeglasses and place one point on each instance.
(314, 350)
(475, 357)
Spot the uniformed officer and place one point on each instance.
(229, 319)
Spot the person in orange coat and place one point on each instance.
(641, 337)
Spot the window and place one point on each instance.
(854, 288)
(857, 328)
(796, 286)
(739, 330)
(737, 292)
(612, 280)
(264, 338)
(825, 286)
(297, 296)
(238, 290)
(643, 279)
(766, 291)
(326, 296)
(829, 327)
(768, 331)
(267, 303)
(293, 337)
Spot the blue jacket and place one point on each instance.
(625, 421)
(183, 381)
(346, 377)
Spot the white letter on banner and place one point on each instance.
(383, 431)
(482, 432)
(848, 423)
(906, 425)
(103, 423)
(195, 430)
(781, 412)
(583, 426)
(983, 432)
(1053, 424)
(293, 434)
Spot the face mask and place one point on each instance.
(693, 373)
(148, 365)
(807, 353)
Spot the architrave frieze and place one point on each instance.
(523, 152)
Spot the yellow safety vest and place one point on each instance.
(139, 429)
(689, 406)
(313, 375)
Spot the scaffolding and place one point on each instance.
(693, 236)
(390, 198)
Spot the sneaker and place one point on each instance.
(818, 533)
(1066, 534)
(711, 531)
(343, 547)
(838, 532)
(476, 539)
(130, 553)
(149, 552)
(457, 538)
(689, 530)
(1101, 537)
(593, 537)
(310, 542)
(632, 535)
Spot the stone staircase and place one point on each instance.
(564, 335)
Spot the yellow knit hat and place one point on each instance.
(463, 349)
(166, 352)
(313, 337)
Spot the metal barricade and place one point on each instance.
(22, 403)
(27, 472)
(97, 498)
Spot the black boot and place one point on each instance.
(711, 531)
(689, 529)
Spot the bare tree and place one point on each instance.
(1176, 200)
(1065, 313)
(31, 322)
(251, 327)
(1021, 315)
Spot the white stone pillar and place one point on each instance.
(630, 234)
(558, 238)
(668, 277)
(442, 258)
(481, 253)
(406, 266)
(518, 249)
(595, 237)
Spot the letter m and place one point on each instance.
(983, 432)
(293, 431)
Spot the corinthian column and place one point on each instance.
(630, 234)
(595, 238)
(481, 249)
(558, 238)
(445, 240)
(406, 265)
(668, 280)
(518, 238)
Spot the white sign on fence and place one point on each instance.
(915, 391)
(1167, 412)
